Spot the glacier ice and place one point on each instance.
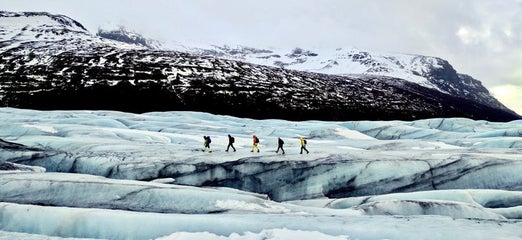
(104, 168)
(68, 190)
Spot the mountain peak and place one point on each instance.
(430, 72)
(41, 19)
(38, 26)
(122, 34)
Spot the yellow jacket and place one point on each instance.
(302, 141)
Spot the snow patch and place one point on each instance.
(43, 128)
(268, 234)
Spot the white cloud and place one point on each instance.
(469, 35)
(508, 32)
(509, 95)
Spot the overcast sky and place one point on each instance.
(482, 38)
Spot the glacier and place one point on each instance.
(115, 175)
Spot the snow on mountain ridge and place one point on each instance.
(31, 26)
(340, 61)
(431, 72)
(61, 20)
(123, 35)
(45, 29)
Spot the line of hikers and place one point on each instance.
(255, 144)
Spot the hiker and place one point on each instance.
(255, 143)
(206, 144)
(280, 143)
(303, 145)
(231, 141)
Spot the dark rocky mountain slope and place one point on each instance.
(430, 72)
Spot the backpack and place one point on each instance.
(304, 140)
(256, 140)
(208, 140)
(232, 140)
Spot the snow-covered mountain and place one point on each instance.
(123, 35)
(52, 62)
(430, 72)
(46, 33)
(116, 175)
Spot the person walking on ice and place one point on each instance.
(255, 143)
(303, 145)
(206, 144)
(280, 143)
(231, 141)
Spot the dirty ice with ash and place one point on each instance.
(116, 175)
